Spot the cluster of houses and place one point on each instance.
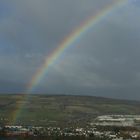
(94, 129)
(66, 132)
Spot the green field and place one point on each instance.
(60, 110)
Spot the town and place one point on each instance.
(110, 127)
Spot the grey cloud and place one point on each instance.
(104, 61)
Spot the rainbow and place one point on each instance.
(66, 43)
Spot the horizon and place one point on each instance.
(69, 95)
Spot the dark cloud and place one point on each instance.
(103, 62)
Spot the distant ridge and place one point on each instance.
(61, 109)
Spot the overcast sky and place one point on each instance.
(104, 62)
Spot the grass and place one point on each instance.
(57, 110)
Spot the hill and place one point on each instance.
(60, 110)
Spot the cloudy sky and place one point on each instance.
(105, 61)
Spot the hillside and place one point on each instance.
(60, 110)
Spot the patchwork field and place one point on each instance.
(44, 110)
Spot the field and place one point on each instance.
(44, 110)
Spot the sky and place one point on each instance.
(103, 62)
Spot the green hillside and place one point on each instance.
(60, 110)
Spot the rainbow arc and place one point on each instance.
(62, 47)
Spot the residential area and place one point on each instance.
(110, 127)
